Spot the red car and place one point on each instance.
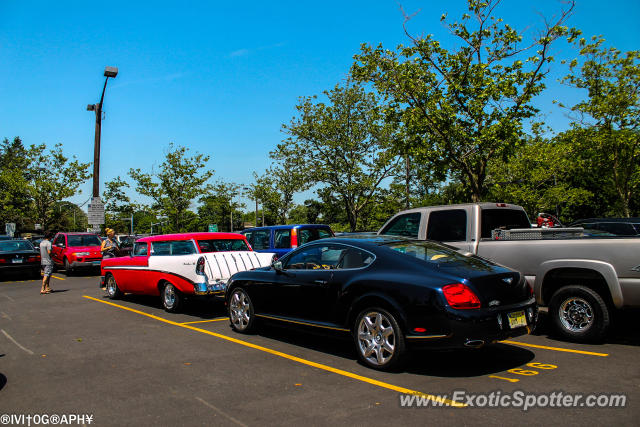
(73, 251)
(179, 266)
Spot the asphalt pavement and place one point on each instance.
(128, 362)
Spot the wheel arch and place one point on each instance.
(598, 276)
(375, 299)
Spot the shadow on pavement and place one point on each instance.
(623, 328)
(3, 381)
(204, 310)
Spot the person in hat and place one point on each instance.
(109, 247)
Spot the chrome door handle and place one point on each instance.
(320, 282)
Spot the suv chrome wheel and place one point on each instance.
(576, 314)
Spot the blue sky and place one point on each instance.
(218, 77)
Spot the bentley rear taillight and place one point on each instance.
(459, 296)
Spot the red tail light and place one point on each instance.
(294, 238)
(200, 266)
(530, 289)
(460, 296)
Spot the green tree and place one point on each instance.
(609, 118)
(219, 207)
(14, 175)
(179, 181)
(467, 102)
(540, 176)
(53, 177)
(344, 146)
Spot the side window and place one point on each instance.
(322, 233)
(182, 247)
(354, 258)
(404, 225)
(329, 257)
(282, 239)
(305, 259)
(140, 249)
(260, 239)
(447, 226)
(161, 248)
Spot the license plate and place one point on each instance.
(96, 262)
(17, 260)
(517, 319)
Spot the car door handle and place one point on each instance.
(320, 282)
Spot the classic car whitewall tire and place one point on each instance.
(113, 291)
(171, 298)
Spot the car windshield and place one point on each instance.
(83, 240)
(222, 245)
(15, 245)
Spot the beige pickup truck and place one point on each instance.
(581, 279)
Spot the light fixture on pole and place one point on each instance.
(97, 108)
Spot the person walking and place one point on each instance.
(109, 247)
(46, 262)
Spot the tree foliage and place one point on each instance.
(468, 103)
(219, 207)
(344, 146)
(53, 177)
(609, 118)
(178, 182)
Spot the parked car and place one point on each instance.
(389, 293)
(582, 279)
(615, 226)
(73, 251)
(281, 239)
(180, 266)
(19, 255)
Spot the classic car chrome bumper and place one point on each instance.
(217, 288)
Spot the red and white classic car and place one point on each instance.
(175, 266)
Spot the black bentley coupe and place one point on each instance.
(389, 293)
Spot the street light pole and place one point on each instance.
(97, 108)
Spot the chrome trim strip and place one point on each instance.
(302, 323)
(415, 337)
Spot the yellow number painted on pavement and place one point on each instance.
(522, 372)
(541, 365)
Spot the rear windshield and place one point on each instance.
(15, 245)
(428, 251)
(222, 245)
(506, 219)
(83, 240)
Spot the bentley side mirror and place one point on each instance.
(277, 266)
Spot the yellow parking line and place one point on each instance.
(567, 350)
(56, 277)
(293, 358)
(205, 321)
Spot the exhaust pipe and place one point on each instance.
(474, 343)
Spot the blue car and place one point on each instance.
(282, 239)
